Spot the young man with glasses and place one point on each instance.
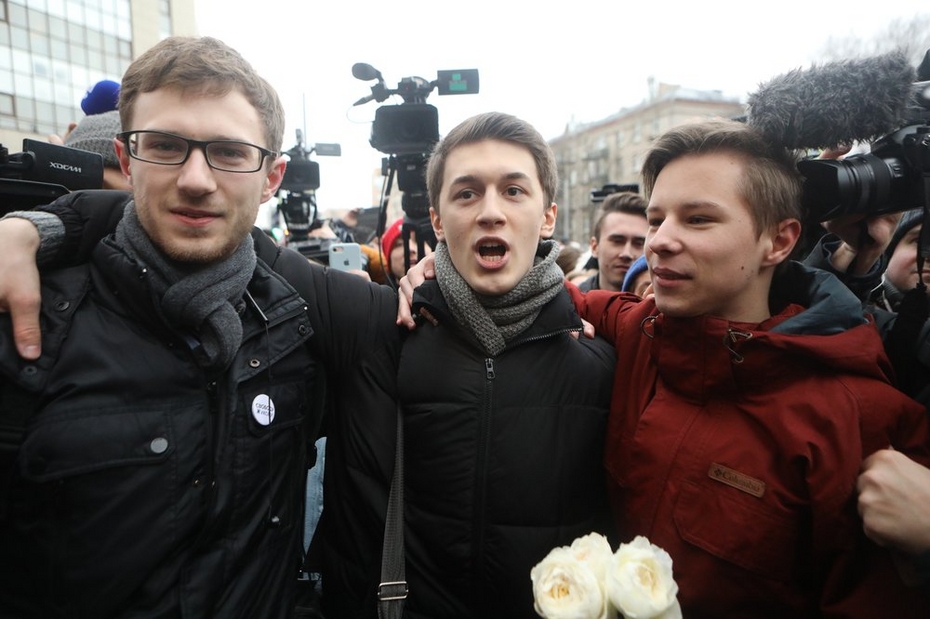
(152, 457)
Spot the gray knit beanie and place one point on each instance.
(95, 133)
(907, 221)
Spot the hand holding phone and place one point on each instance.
(345, 256)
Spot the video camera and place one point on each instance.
(297, 199)
(43, 172)
(412, 127)
(407, 133)
(889, 179)
(598, 195)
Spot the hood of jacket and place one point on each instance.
(816, 324)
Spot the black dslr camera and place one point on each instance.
(889, 179)
(43, 172)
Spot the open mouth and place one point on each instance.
(492, 252)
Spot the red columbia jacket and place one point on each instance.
(736, 448)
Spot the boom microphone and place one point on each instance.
(834, 103)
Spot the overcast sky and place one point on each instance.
(547, 62)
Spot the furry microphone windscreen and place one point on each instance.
(834, 103)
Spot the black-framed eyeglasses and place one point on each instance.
(170, 149)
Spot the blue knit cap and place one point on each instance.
(638, 266)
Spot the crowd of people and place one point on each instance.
(166, 368)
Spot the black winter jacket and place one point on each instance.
(350, 322)
(144, 485)
(503, 457)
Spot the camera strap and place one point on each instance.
(393, 588)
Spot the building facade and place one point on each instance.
(611, 150)
(52, 51)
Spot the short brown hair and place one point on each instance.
(620, 202)
(494, 126)
(206, 66)
(771, 182)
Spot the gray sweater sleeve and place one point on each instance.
(51, 232)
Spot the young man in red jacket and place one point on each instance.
(747, 394)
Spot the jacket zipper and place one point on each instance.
(544, 336)
(484, 433)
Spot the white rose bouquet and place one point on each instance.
(587, 581)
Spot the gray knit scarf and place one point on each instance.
(496, 320)
(198, 298)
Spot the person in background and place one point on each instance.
(569, 254)
(619, 234)
(100, 98)
(901, 274)
(637, 279)
(894, 489)
(97, 134)
(393, 249)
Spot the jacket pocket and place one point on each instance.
(739, 529)
(83, 442)
(106, 496)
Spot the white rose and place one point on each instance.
(565, 587)
(640, 583)
(593, 549)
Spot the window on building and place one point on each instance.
(164, 18)
(52, 51)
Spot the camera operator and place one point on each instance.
(877, 259)
(393, 250)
